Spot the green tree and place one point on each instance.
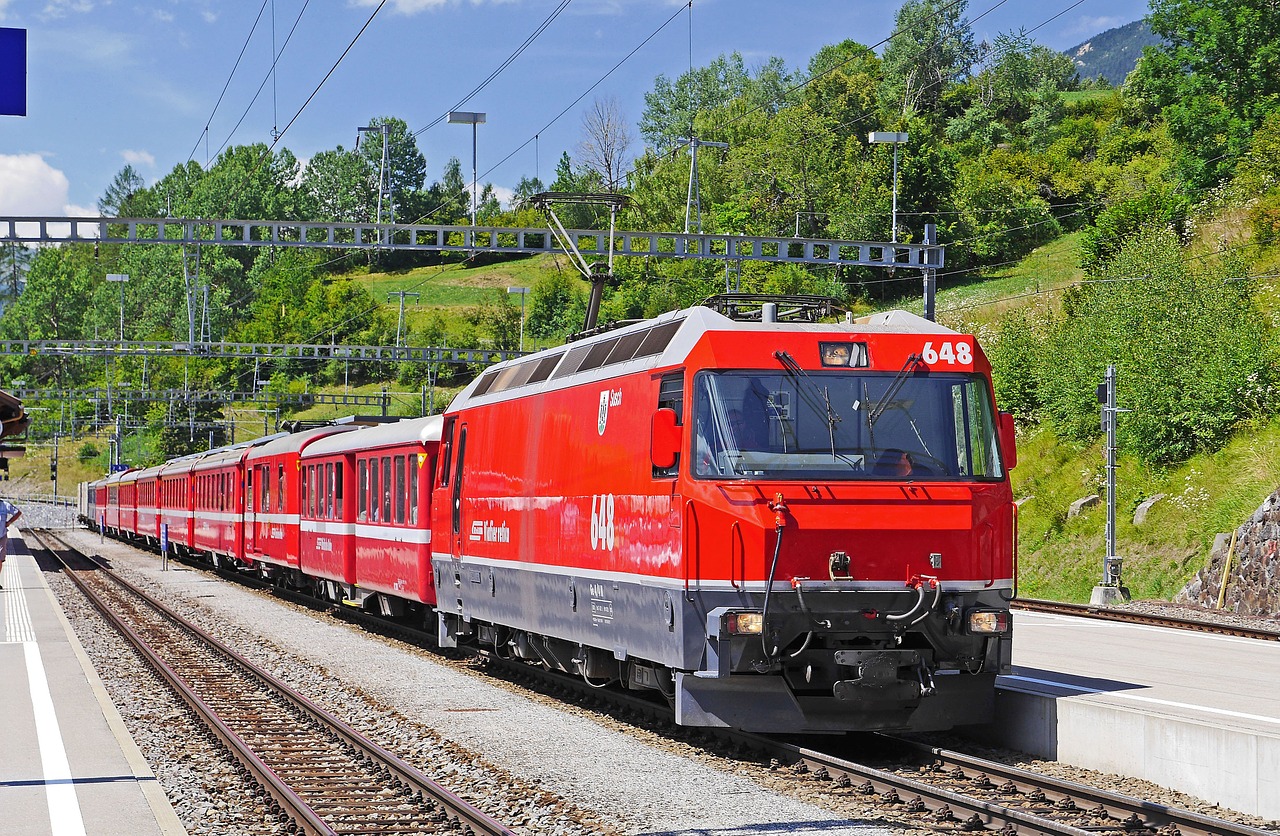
(1193, 352)
(497, 317)
(670, 108)
(1215, 77)
(527, 188)
(931, 47)
(15, 260)
(557, 306)
(118, 200)
(449, 199)
(339, 185)
(406, 166)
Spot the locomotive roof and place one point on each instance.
(408, 431)
(663, 341)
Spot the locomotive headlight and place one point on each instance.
(743, 623)
(988, 621)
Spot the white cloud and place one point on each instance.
(92, 46)
(31, 187)
(163, 16)
(138, 158)
(209, 17)
(61, 8)
(3, 5)
(505, 196)
(1090, 26)
(407, 7)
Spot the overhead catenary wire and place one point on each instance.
(489, 79)
(205, 133)
(270, 76)
(568, 107)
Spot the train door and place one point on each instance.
(251, 510)
(455, 494)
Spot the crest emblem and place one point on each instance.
(603, 418)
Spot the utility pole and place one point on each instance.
(1111, 590)
(523, 291)
(383, 168)
(693, 202)
(53, 468)
(400, 321)
(120, 278)
(930, 273)
(474, 119)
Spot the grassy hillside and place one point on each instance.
(446, 290)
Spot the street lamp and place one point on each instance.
(523, 291)
(120, 278)
(894, 138)
(468, 117)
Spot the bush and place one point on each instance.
(1014, 353)
(88, 452)
(1192, 353)
(1264, 217)
(1159, 206)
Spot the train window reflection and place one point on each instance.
(841, 425)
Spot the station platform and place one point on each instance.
(70, 767)
(1194, 712)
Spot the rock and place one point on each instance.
(1140, 515)
(1082, 503)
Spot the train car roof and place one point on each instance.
(294, 442)
(148, 472)
(409, 431)
(221, 456)
(116, 477)
(663, 341)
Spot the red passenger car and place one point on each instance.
(273, 488)
(109, 502)
(783, 526)
(125, 488)
(217, 483)
(176, 500)
(147, 522)
(365, 513)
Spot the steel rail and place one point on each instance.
(289, 801)
(462, 813)
(1132, 617)
(1130, 813)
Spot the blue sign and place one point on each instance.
(119, 468)
(164, 538)
(13, 72)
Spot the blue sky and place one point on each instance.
(112, 82)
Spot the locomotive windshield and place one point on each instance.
(844, 426)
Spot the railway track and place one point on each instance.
(315, 773)
(943, 789)
(1134, 617)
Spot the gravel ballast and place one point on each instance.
(539, 765)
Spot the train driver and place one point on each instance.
(894, 463)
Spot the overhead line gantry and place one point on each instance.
(467, 240)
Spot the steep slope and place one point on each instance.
(1114, 53)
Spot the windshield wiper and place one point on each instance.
(807, 392)
(914, 361)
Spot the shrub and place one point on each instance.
(1191, 351)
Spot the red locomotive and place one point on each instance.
(780, 525)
